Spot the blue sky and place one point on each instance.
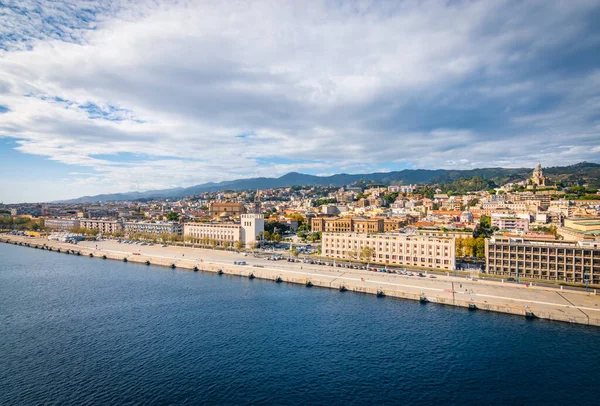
(112, 96)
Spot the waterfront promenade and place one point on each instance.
(533, 301)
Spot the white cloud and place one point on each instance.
(321, 86)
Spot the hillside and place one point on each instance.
(584, 172)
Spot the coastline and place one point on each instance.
(520, 300)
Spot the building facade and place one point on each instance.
(510, 223)
(149, 227)
(392, 249)
(104, 226)
(356, 224)
(61, 224)
(545, 260)
(226, 209)
(247, 231)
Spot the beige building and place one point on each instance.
(226, 209)
(61, 224)
(545, 260)
(392, 249)
(356, 224)
(247, 231)
(104, 226)
(580, 229)
(152, 227)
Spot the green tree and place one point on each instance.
(480, 247)
(459, 247)
(239, 245)
(172, 216)
(366, 253)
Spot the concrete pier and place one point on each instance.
(521, 300)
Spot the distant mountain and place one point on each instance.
(582, 172)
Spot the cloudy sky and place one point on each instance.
(112, 96)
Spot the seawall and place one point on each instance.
(543, 304)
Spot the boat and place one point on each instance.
(472, 306)
(195, 269)
(103, 256)
(423, 299)
(147, 262)
(173, 266)
(278, 280)
(251, 276)
(343, 288)
(124, 259)
(309, 284)
(380, 293)
(220, 272)
(91, 255)
(530, 315)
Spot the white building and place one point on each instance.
(247, 231)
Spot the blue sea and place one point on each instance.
(83, 331)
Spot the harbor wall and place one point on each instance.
(329, 282)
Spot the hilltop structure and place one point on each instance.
(537, 179)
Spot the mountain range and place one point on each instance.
(584, 172)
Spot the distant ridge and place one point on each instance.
(585, 171)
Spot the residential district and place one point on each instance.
(533, 229)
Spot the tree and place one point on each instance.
(473, 202)
(469, 247)
(366, 253)
(276, 238)
(390, 198)
(484, 228)
(239, 245)
(172, 216)
(480, 247)
(459, 247)
(294, 252)
(352, 255)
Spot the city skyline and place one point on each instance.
(106, 97)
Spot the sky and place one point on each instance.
(114, 96)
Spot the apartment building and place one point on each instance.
(247, 231)
(544, 260)
(153, 227)
(356, 224)
(61, 224)
(392, 249)
(104, 226)
(510, 223)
